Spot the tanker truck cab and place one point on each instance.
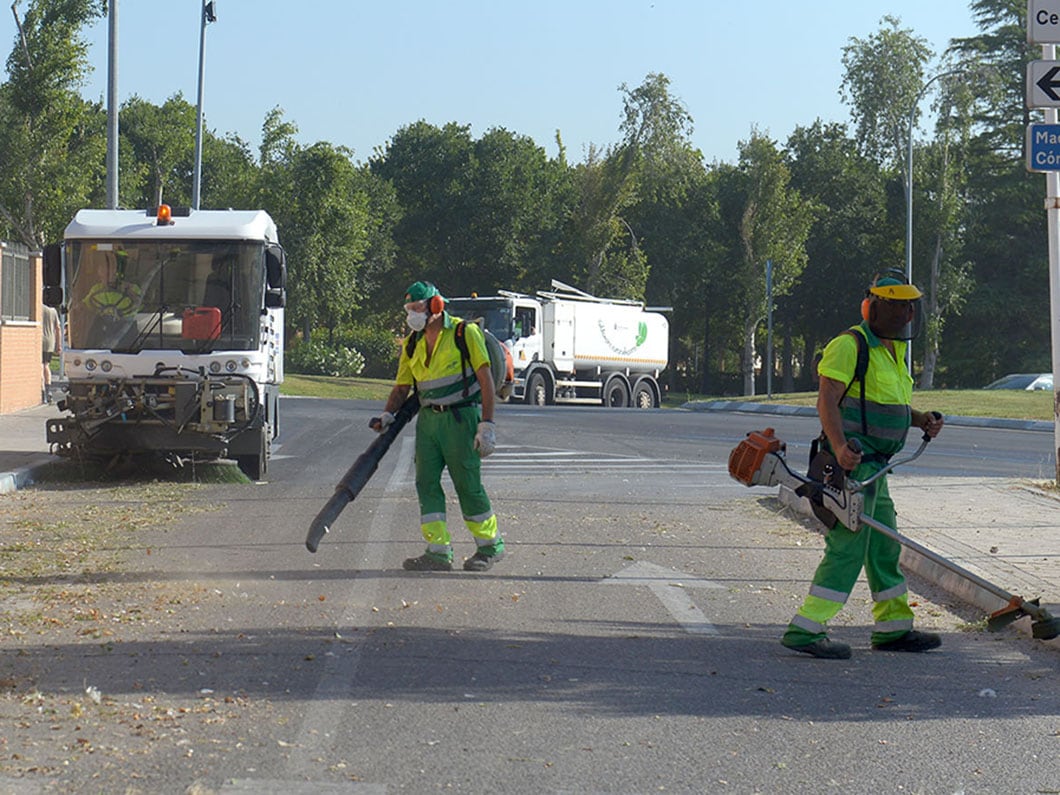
(175, 326)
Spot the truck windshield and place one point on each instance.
(496, 315)
(189, 295)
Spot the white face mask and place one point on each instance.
(417, 321)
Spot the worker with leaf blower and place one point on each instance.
(864, 406)
(446, 360)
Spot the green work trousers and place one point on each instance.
(445, 440)
(845, 554)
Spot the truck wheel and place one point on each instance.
(644, 396)
(616, 393)
(255, 466)
(537, 391)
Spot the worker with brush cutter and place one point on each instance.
(446, 360)
(864, 405)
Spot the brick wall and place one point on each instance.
(20, 355)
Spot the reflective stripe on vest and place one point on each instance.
(441, 382)
(888, 392)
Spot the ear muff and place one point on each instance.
(436, 305)
(865, 308)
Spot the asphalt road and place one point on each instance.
(628, 644)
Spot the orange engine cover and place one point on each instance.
(746, 458)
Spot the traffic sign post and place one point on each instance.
(1043, 154)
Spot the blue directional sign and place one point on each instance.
(1043, 147)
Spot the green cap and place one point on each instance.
(420, 291)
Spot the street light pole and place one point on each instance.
(209, 14)
(112, 106)
(909, 197)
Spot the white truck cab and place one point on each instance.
(175, 334)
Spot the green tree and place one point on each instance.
(52, 141)
(773, 224)
(846, 245)
(157, 151)
(326, 237)
(1004, 325)
(884, 82)
(429, 169)
(883, 74)
(673, 215)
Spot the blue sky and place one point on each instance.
(353, 72)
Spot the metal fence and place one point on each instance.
(16, 280)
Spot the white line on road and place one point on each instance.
(670, 587)
(327, 707)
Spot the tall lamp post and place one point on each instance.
(209, 14)
(909, 196)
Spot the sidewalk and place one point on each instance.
(23, 445)
(1003, 531)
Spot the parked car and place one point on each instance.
(1031, 382)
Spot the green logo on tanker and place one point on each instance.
(642, 334)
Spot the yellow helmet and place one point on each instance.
(895, 289)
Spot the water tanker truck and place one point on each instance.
(571, 347)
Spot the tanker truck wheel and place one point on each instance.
(616, 392)
(644, 396)
(538, 390)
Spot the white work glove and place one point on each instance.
(485, 439)
(382, 422)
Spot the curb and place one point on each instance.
(810, 411)
(23, 476)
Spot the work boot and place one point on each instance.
(428, 561)
(911, 641)
(824, 648)
(484, 558)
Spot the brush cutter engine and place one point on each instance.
(759, 460)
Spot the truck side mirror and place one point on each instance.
(53, 266)
(275, 266)
(275, 276)
(53, 296)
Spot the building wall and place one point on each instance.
(20, 354)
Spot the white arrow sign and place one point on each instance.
(670, 587)
(1043, 84)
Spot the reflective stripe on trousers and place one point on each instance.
(846, 553)
(445, 440)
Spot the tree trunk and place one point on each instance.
(808, 372)
(932, 321)
(704, 374)
(747, 360)
(788, 378)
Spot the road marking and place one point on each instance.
(288, 787)
(327, 708)
(546, 461)
(670, 587)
